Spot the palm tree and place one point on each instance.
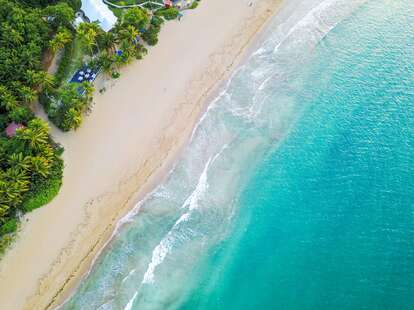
(39, 78)
(72, 119)
(19, 177)
(17, 183)
(88, 88)
(27, 94)
(48, 80)
(47, 152)
(36, 135)
(40, 165)
(4, 195)
(88, 33)
(109, 41)
(19, 161)
(129, 34)
(62, 38)
(32, 78)
(106, 61)
(88, 39)
(7, 100)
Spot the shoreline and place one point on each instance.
(102, 213)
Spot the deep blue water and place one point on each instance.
(297, 190)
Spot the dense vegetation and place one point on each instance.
(168, 13)
(75, 4)
(88, 45)
(30, 166)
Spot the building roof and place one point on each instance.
(11, 129)
(96, 10)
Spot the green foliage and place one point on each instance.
(90, 34)
(10, 226)
(194, 5)
(5, 242)
(70, 61)
(151, 35)
(29, 158)
(168, 13)
(61, 39)
(74, 4)
(30, 164)
(136, 17)
(157, 21)
(66, 105)
(59, 15)
(23, 36)
(21, 114)
(44, 189)
(72, 119)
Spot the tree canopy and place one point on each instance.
(30, 165)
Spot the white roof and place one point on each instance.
(96, 10)
(78, 20)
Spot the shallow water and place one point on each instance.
(297, 189)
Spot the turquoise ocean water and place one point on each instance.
(297, 188)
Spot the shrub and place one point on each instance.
(4, 121)
(168, 14)
(141, 51)
(8, 227)
(5, 242)
(157, 21)
(21, 114)
(7, 234)
(45, 189)
(194, 5)
(151, 36)
(136, 17)
(72, 119)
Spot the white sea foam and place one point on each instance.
(131, 302)
(192, 201)
(315, 24)
(158, 256)
(129, 274)
(165, 246)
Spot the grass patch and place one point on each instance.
(71, 61)
(9, 227)
(8, 234)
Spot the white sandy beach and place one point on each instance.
(134, 132)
